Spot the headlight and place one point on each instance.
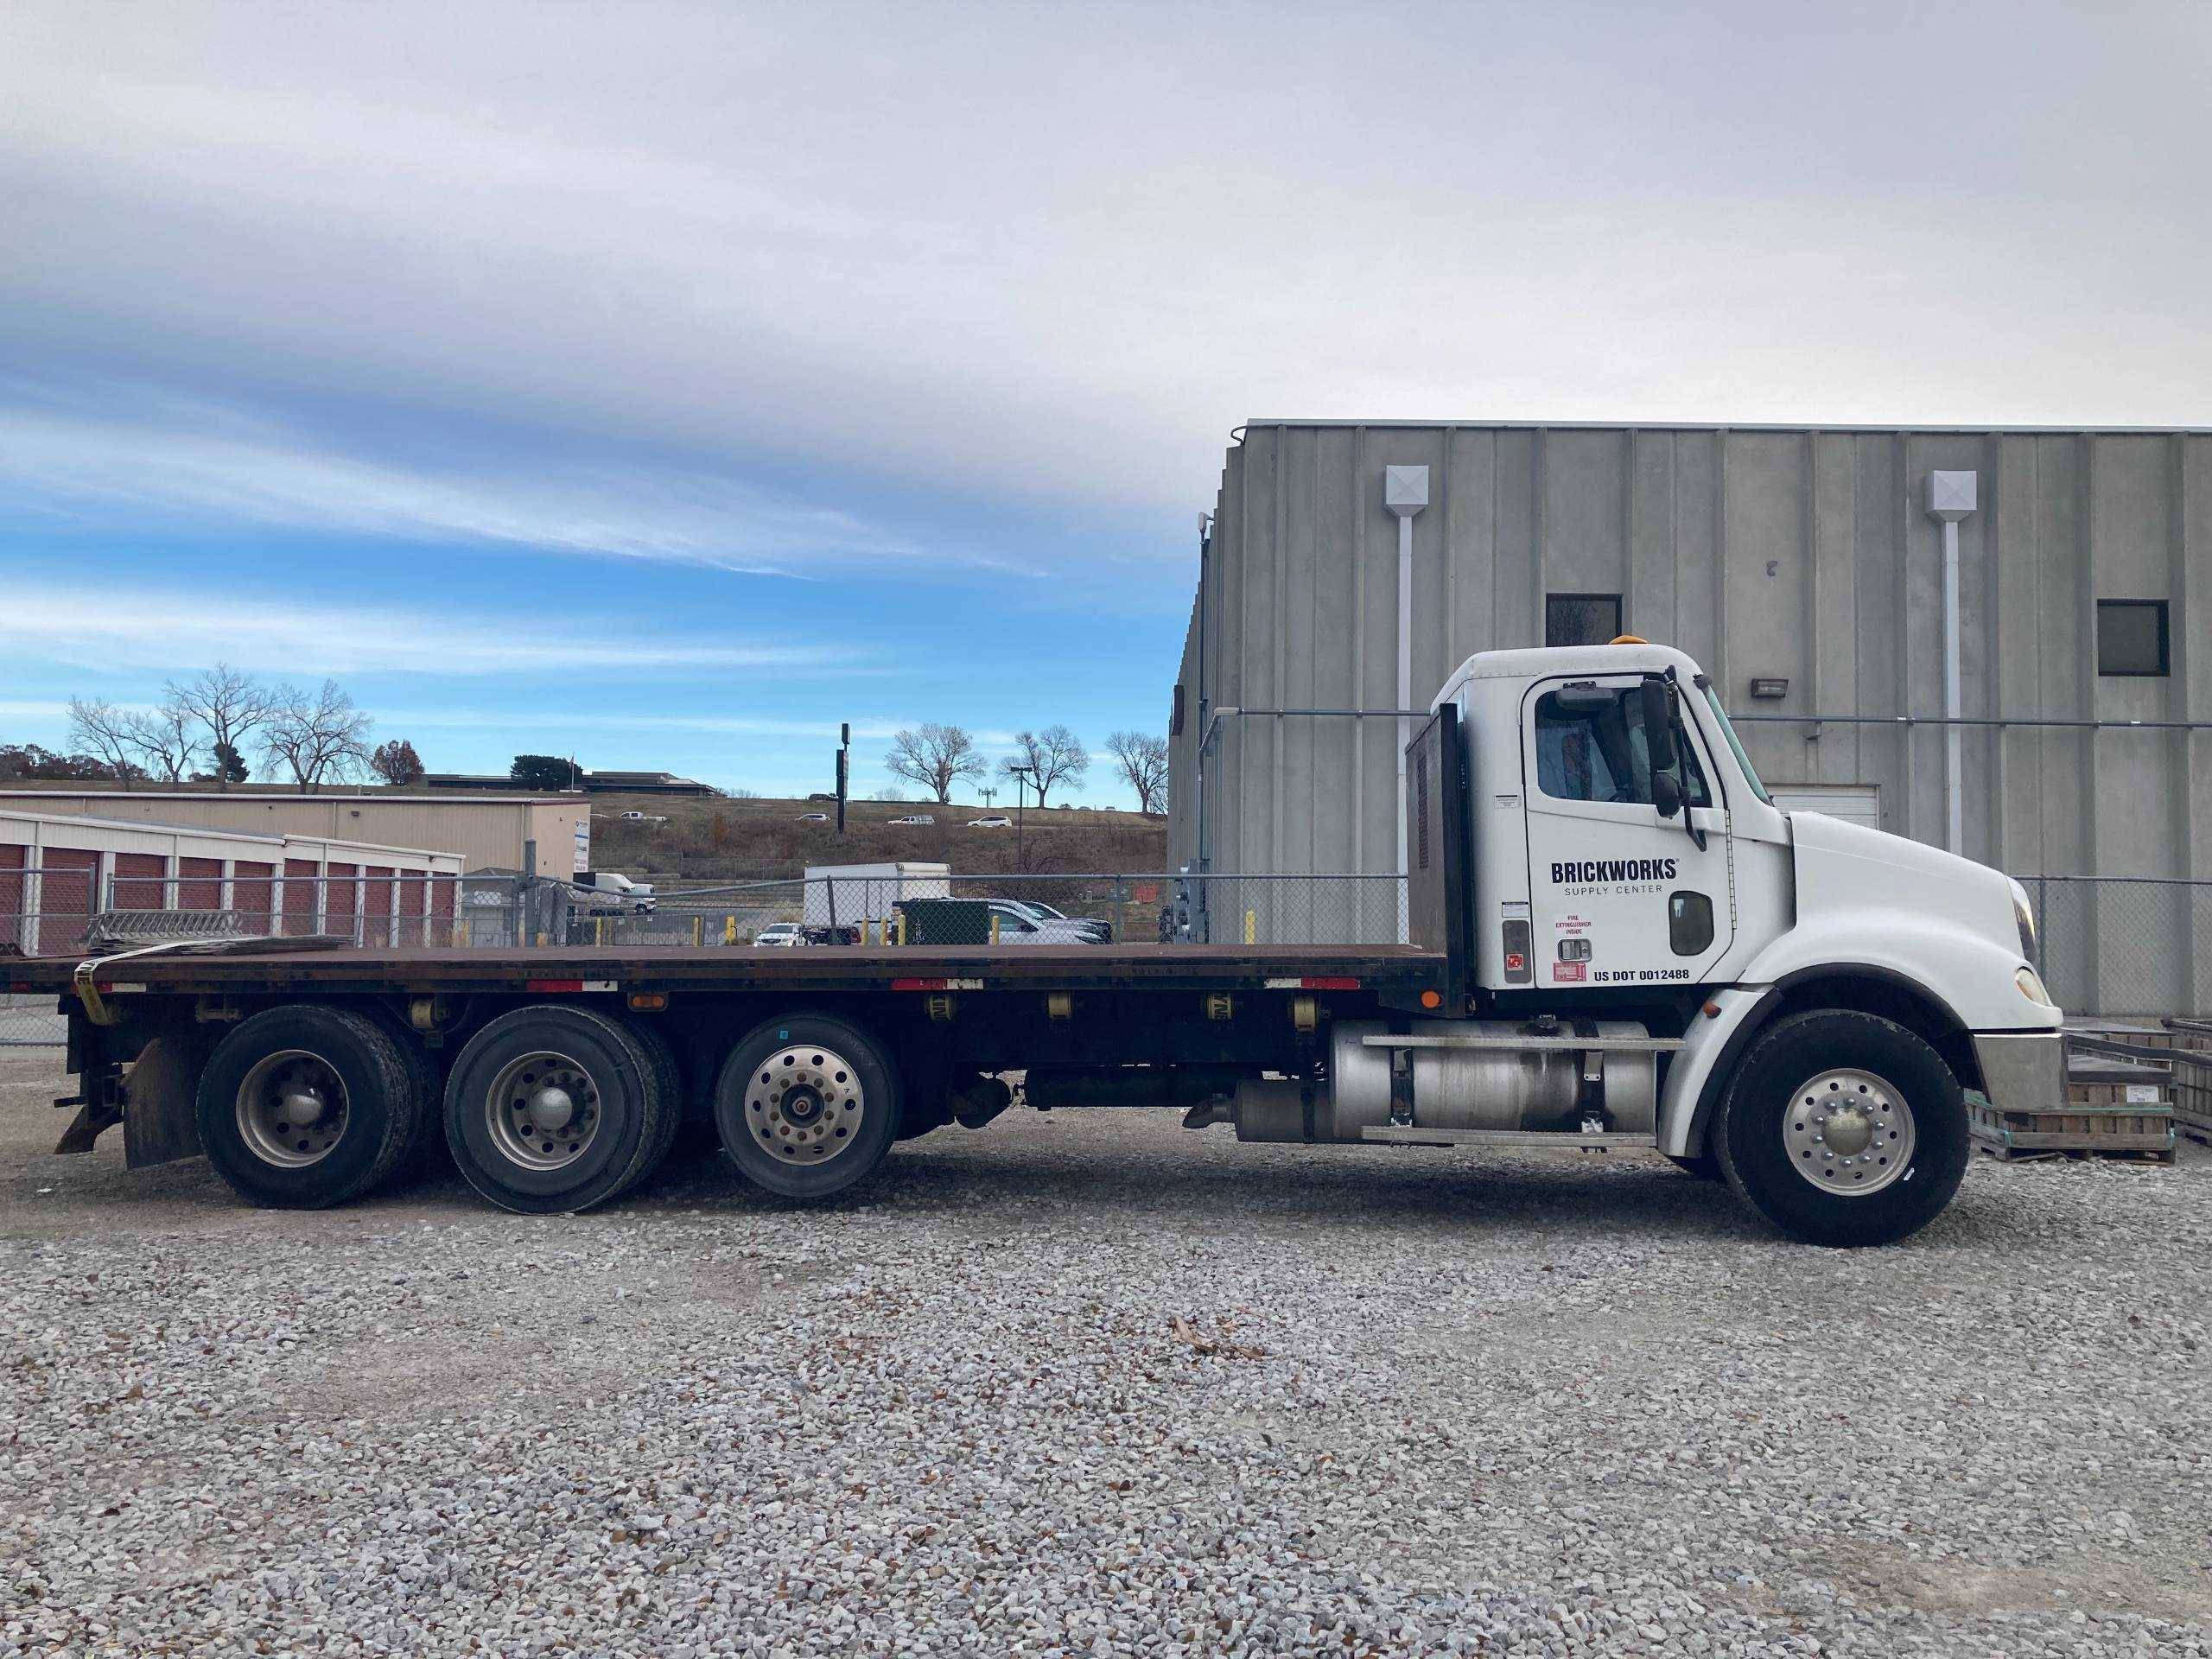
(2025, 914)
(2031, 984)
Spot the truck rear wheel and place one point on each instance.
(1843, 1129)
(552, 1108)
(304, 1107)
(807, 1106)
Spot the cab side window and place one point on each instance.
(1590, 745)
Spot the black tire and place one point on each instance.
(1703, 1165)
(857, 1081)
(373, 1119)
(669, 1080)
(607, 1075)
(1756, 1122)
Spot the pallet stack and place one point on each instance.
(2119, 1102)
(2191, 1046)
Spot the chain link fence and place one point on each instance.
(2123, 944)
(2106, 946)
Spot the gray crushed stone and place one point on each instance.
(1095, 1384)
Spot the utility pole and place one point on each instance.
(844, 770)
(1019, 795)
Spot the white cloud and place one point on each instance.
(168, 632)
(209, 467)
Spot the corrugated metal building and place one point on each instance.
(1801, 566)
(58, 869)
(486, 831)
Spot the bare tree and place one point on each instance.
(232, 706)
(1050, 758)
(936, 757)
(165, 739)
(319, 740)
(107, 733)
(1142, 758)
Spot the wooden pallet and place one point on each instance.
(2191, 1057)
(2014, 1135)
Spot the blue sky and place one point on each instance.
(668, 383)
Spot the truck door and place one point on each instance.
(1621, 892)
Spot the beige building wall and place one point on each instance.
(484, 831)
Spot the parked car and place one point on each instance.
(821, 795)
(1017, 927)
(1044, 916)
(915, 817)
(783, 934)
(990, 824)
(642, 817)
(814, 817)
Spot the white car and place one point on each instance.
(814, 817)
(785, 934)
(1017, 926)
(915, 817)
(1044, 916)
(642, 817)
(990, 824)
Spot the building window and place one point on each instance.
(2131, 637)
(1581, 619)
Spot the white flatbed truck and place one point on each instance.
(1617, 940)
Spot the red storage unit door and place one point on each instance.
(413, 900)
(377, 896)
(299, 897)
(15, 926)
(141, 881)
(444, 899)
(64, 899)
(343, 898)
(253, 888)
(200, 884)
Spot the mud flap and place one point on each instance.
(160, 1120)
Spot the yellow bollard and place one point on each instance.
(901, 927)
(1251, 927)
(729, 930)
(598, 930)
(698, 929)
(995, 927)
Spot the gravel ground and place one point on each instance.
(1096, 1384)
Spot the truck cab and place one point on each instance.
(1592, 852)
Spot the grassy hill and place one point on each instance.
(739, 841)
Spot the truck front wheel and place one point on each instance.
(304, 1107)
(1843, 1129)
(807, 1106)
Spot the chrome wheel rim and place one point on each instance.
(542, 1111)
(291, 1109)
(1848, 1132)
(803, 1104)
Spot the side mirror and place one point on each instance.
(1666, 793)
(1659, 728)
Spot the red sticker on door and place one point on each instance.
(1516, 963)
(1570, 969)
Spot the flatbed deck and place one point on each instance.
(716, 968)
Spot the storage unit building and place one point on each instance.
(56, 871)
(486, 831)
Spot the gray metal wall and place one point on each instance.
(1804, 553)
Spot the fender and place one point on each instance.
(1961, 974)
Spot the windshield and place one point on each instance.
(1736, 743)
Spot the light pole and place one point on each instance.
(1019, 795)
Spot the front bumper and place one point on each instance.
(2022, 1070)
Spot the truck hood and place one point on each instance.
(1845, 866)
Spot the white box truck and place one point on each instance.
(856, 895)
